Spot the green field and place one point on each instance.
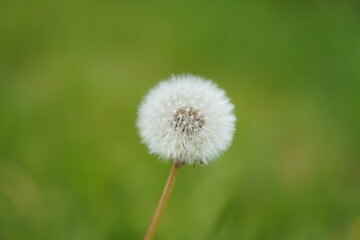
(72, 75)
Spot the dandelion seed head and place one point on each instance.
(198, 121)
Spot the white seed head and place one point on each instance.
(199, 121)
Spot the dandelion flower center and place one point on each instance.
(187, 119)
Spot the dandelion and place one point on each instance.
(186, 119)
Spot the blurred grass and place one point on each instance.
(72, 74)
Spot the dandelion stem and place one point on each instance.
(163, 200)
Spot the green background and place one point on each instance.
(72, 75)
